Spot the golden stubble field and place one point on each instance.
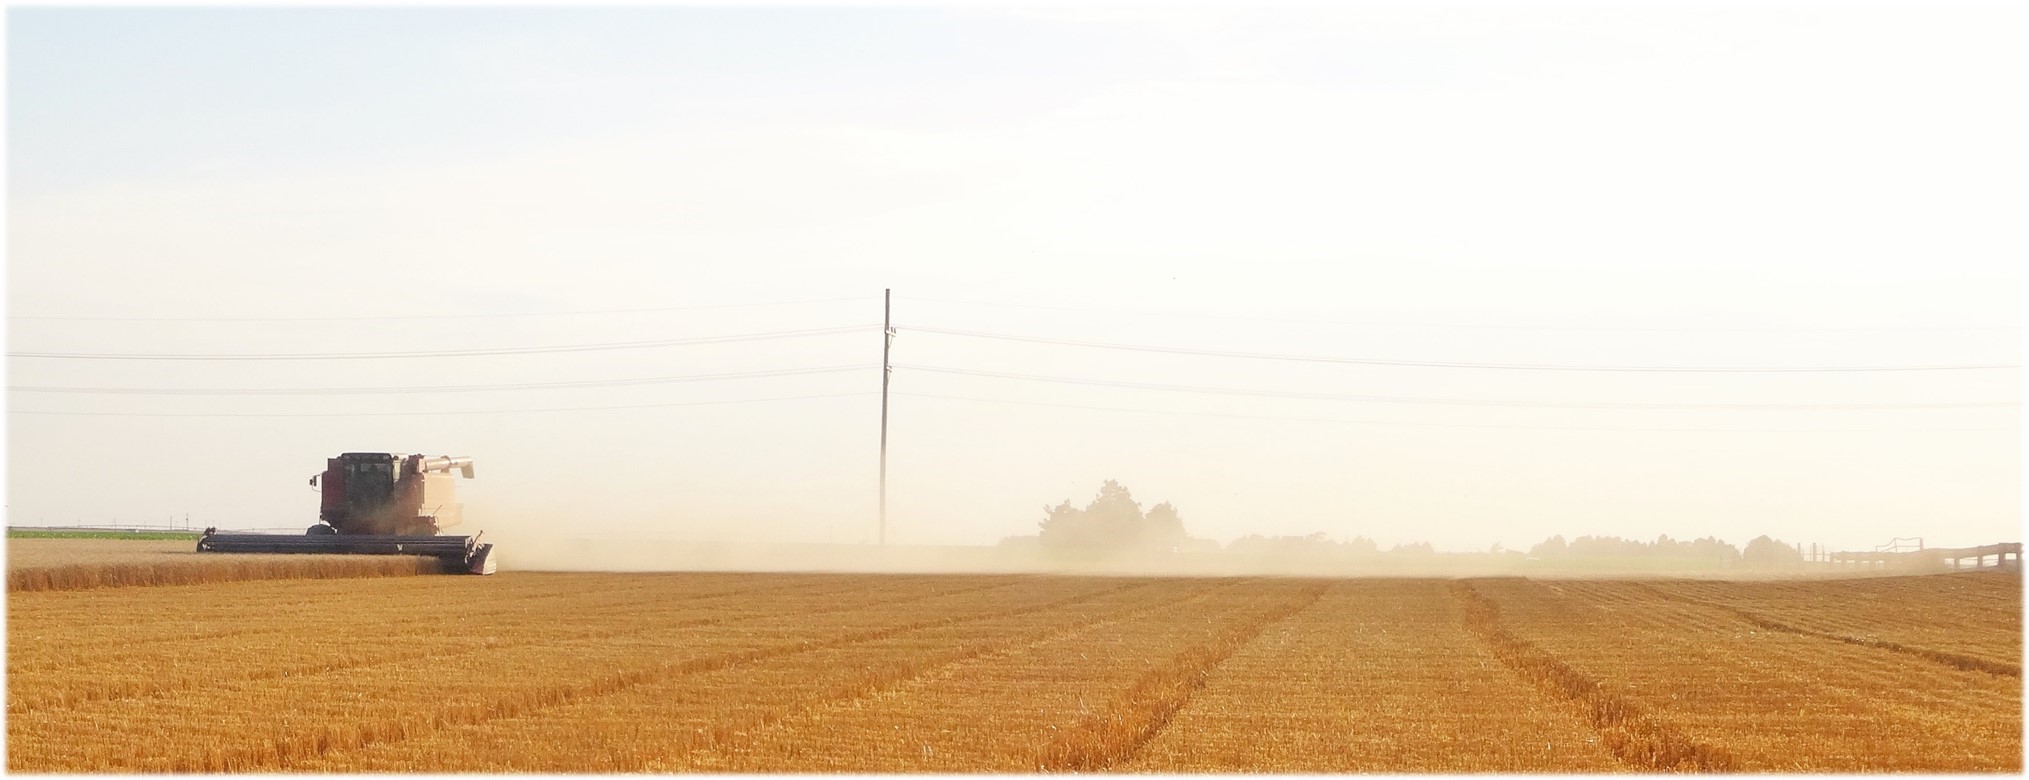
(727, 672)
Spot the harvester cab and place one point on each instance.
(378, 503)
(389, 493)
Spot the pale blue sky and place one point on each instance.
(103, 94)
(1753, 180)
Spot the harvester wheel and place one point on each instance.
(321, 529)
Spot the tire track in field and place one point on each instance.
(16, 707)
(1954, 660)
(722, 736)
(1114, 735)
(1634, 735)
(335, 739)
(485, 608)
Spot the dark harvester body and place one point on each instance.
(378, 503)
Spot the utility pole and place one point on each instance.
(887, 342)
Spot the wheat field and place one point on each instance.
(728, 672)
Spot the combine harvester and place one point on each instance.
(378, 503)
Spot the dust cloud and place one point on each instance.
(530, 538)
(519, 548)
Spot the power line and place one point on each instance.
(1446, 425)
(1445, 401)
(460, 411)
(1443, 325)
(442, 316)
(459, 352)
(438, 388)
(1438, 364)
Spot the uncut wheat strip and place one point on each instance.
(1380, 676)
(989, 713)
(334, 627)
(153, 573)
(301, 653)
(1779, 702)
(1955, 660)
(1634, 735)
(302, 718)
(184, 571)
(636, 730)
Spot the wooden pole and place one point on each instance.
(887, 343)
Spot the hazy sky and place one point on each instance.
(1603, 185)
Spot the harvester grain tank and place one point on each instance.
(378, 503)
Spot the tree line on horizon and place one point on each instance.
(1114, 524)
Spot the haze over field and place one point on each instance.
(1525, 190)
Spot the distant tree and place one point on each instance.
(1163, 528)
(1713, 549)
(1113, 522)
(1553, 547)
(1765, 553)
(1115, 514)
(1414, 548)
(1063, 527)
(1607, 547)
(1360, 545)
